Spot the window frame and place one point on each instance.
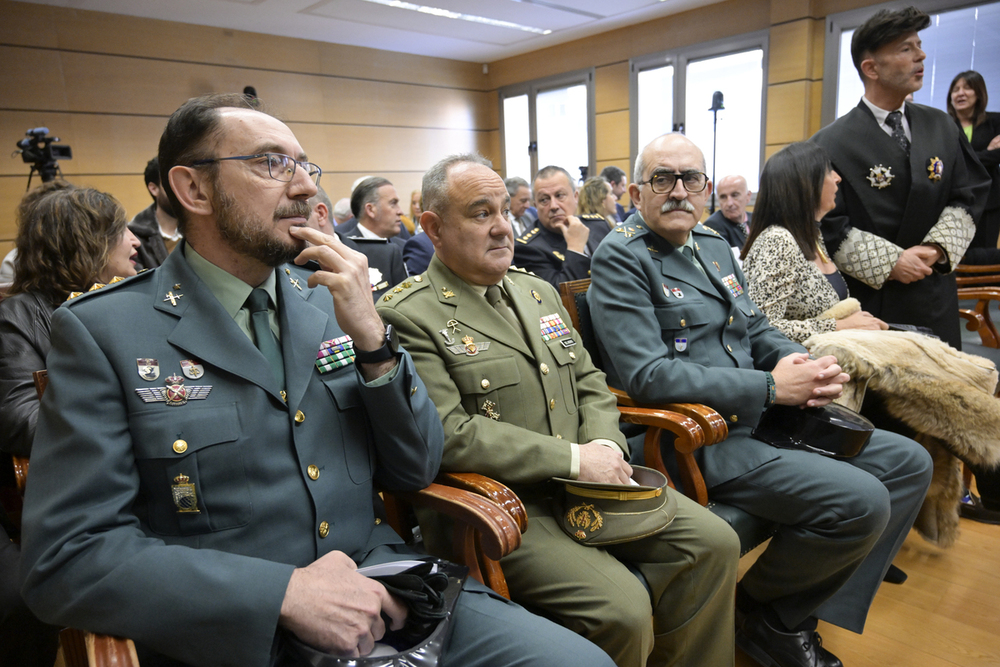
(837, 23)
(680, 57)
(532, 89)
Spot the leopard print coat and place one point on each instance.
(789, 288)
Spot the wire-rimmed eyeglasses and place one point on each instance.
(663, 182)
(280, 167)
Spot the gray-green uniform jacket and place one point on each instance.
(279, 478)
(542, 395)
(669, 333)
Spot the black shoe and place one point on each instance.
(775, 648)
(894, 575)
(971, 507)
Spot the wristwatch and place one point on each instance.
(389, 349)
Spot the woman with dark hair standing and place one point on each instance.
(967, 99)
(68, 238)
(789, 272)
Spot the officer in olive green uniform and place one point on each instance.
(521, 401)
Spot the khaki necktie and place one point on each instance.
(494, 296)
(266, 341)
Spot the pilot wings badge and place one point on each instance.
(174, 393)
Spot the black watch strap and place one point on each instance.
(389, 349)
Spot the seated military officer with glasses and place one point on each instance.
(675, 324)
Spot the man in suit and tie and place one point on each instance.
(377, 214)
(675, 324)
(732, 221)
(911, 188)
(202, 480)
(522, 406)
(559, 247)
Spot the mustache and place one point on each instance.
(296, 209)
(677, 205)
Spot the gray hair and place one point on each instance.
(552, 170)
(434, 189)
(366, 192)
(515, 183)
(342, 209)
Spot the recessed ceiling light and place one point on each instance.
(448, 14)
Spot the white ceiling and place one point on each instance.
(368, 23)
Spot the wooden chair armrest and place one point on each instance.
(977, 274)
(500, 533)
(710, 421)
(497, 492)
(87, 649)
(689, 437)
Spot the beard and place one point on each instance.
(249, 235)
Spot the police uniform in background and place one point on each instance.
(697, 337)
(544, 252)
(385, 261)
(512, 402)
(888, 202)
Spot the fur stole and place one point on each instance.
(946, 396)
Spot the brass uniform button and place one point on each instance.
(485, 383)
(730, 319)
(299, 417)
(180, 446)
(729, 347)
(572, 355)
(377, 521)
(324, 529)
(552, 404)
(734, 418)
(683, 322)
(284, 396)
(313, 472)
(544, 368)
(558, 436)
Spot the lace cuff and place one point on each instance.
(867, 257)
(953, 232)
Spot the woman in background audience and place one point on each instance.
(68, 238)
(967, 100)
(597, 201)
(412, 222)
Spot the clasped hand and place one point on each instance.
(799, 380)
(915, 263)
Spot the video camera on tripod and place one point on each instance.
(38, 150)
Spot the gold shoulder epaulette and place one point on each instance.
(528, 235)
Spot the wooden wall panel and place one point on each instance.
(84, 82)
(612, 135)
(29, 24)
(611, 87)
(787, 111)
(788, 43)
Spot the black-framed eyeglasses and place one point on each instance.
(280, 167)
(663, 182)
